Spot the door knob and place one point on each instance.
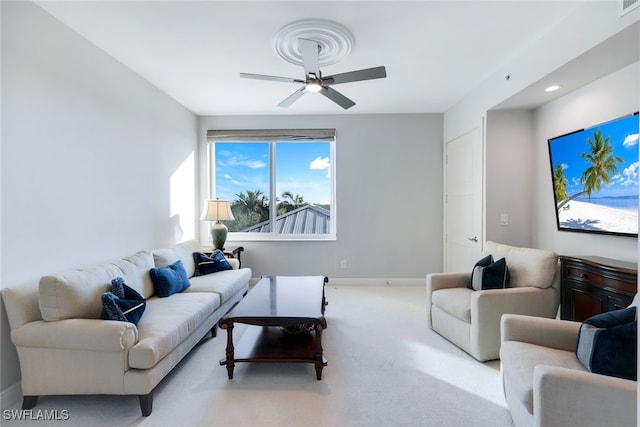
(473, 239)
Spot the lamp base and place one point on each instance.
(218, 234)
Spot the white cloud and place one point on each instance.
(564, 166)
(630, 140)
(320, 163)
(630, 175)
(243, 161)
(230, 178)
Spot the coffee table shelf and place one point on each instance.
(270, 344)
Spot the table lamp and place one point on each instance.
(217, 210)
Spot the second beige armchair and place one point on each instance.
(471, 319)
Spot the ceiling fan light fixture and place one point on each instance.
(314, 86)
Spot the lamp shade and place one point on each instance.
(217, 210)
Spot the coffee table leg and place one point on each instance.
(318, 353)
(230, 351)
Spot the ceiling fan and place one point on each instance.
(315, 82)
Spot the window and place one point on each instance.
(281, 183)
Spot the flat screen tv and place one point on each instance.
(595, 178)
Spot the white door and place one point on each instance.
(463, 213)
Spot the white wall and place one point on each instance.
(605, 99)
(96, 162)
(505, 188)
(591, 23)
(389, 198)
(509, 176)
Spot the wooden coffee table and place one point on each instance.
(273, 304)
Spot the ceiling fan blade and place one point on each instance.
(354, 76)
(309, 50)
(292, 98)
(272, 78)
(337, 97)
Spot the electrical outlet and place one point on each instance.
(343, 263)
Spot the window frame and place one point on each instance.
(273, 137)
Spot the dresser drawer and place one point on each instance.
(602, 279)
(592, 285)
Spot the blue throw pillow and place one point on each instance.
(493, 276)
(210, 264)
(607, 344)
(122, 303)
(170, 279)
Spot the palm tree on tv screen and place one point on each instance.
(603, 165)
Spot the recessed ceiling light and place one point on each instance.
(552, 88)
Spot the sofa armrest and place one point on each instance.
(552, 333)
(566, 397)
(77, 334)
(234, 263)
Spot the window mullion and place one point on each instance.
(273, 208)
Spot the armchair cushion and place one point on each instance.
(607, 344)
(527, 266)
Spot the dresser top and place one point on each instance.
(602, 261)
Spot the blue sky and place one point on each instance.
(302, 169)
(623, 137)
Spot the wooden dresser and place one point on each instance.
(590, 285)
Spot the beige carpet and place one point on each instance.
(385, 369)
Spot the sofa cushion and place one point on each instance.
(224, 283)
(487, 260)
(210, 264)
(519, 359)
(169, 280)
(134, 270)
(76, 294)
(492, 276)
(167, 322)
(455, 301)
(122, 303)
(182, 251)
(607, 343)
(527, 266)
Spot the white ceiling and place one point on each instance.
(435, 52)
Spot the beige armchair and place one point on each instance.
(546, 385)
(471, 319)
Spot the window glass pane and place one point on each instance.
(303, 187)
(242, 176)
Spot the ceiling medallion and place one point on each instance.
(334, 39)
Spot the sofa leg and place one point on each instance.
(29, 402)
(146, 403)
(214, 331)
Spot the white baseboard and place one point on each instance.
(378, 281)
(11, 396)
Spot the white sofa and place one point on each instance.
(471, 319)
(65, 348)
(545, 384)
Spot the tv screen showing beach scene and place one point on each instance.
(595, 178)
